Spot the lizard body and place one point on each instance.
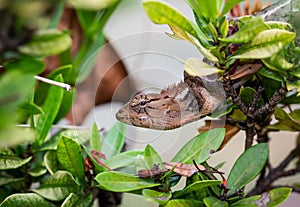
(176, 105)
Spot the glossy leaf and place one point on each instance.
(121, 182)
(69, 155)
(152, 157)
(274, 198)
(200, 147)
(196, 186)
(245, 169)
(159, 197)
(50, 108)
(249, 29)
(161, 13)
(214, 202)
(114, 140)
(184, 203)
(265, 44)
(25, 199)
(47, 42)
(95, 140)
(58, 186)
(8, 160)
(74, 200)
(125, 159)
(279, 25)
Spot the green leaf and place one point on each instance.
(51, 162)
(184, 203)
(196, 67)
(208, 9)
(114, 140)
(121, 182)
(125, 159)
(92, 5)
(199, 148)
(95, 140)
(26, 65)
(69, 155)
(247, 94)
(275, 197)
(8, 160)
(58, 186)
(229, 5)
(50, 108)
(161, 13)
(287, 122)
(37, 172)
(47, 42)
(264, 44)
(20, 136)
(159, 197)
(245, 169)
(97, 166)
(152, 157)
(30, 108)
(270, 74)
(25, 199)
(6, 180)
(249, 29)
(279, 25)
(214, 202)
(74, 200)
(196, 186)
(278, 62)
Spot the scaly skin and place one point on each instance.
(174, 106)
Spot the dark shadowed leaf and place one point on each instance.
(245, 169)
(200, 147)
(121, 182)
(69, 155)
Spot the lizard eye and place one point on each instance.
(143, 103)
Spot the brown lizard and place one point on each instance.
(176, 105)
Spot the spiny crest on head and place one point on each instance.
(176, 89)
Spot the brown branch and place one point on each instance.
(277, 173)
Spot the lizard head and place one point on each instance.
(155, 111)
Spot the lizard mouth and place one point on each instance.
(123, 115)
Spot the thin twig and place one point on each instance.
(52, 82)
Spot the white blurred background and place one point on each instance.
(153, 61)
